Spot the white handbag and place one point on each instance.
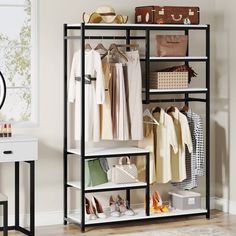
(121, 174)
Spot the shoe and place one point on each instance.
(124, 207)
(98, 208)
(114, 208)
(89, 210)
(157, 201)
(165, 208)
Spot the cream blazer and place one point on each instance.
(165, 142)
(178, 163)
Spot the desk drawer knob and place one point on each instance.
(8, 152)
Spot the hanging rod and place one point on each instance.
(175, 100)
(106, 37)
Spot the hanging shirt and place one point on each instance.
(195, 161)
(106, 120)
(94, 94)
(135, 105)
(148, 144)
(178, 163)
(119, 110)
(165, 142)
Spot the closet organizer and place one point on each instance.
(149, 96)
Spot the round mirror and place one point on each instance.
(2, 90)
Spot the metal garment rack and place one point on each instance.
(148, 93)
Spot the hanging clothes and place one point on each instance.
(119, 112)
(148, 144)
(178, 163)
(94, 94)
(165, 142)
(195, 161)
(106, 119)
(135, 106)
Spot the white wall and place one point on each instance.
(52, 15)
(225, 98)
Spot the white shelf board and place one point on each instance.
(142, 25)
(109, 151)
(139, 215)
(177, 90)
(175, 58)
(109, 185)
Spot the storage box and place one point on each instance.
(185, 200)
(167, 15)
(169, 80)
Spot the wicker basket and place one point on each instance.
(169, 80)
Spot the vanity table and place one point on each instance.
(21, 149)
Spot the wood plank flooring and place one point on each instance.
(218, 218)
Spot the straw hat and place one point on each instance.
(105, 14)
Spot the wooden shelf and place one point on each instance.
(145, 26)
(174, 91)
(107, 186)
(197, 58)
(139, 215)
(111, 152)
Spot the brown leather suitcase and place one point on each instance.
(167, 15)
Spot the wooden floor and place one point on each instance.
(218, 218)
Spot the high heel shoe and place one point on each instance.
(157, 201)
(124, 206)
(114, 208)
(98, 208)
(89, 210)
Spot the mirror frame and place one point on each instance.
(3, 84)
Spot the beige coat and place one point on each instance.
(178, 164)
(147, 143)
(165, 142)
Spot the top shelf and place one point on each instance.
(138, 26)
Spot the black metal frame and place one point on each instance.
(17, 227)
(147, 94)
(5, 217)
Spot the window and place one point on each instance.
(18, 64)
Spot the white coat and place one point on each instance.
(94, 94)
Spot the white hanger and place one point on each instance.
(149, 114)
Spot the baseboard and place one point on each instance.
(225, 205)
(56, 218)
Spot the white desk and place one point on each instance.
(17, 149)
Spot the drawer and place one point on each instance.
(18, 151)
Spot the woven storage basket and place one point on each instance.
(168, 80)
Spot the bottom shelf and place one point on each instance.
(139, 215)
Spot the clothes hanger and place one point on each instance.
(185, 108)
(147, 113)
(87, 46)
(112, 48)
(100, 46)
(170, 109)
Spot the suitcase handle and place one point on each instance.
(177, 19)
